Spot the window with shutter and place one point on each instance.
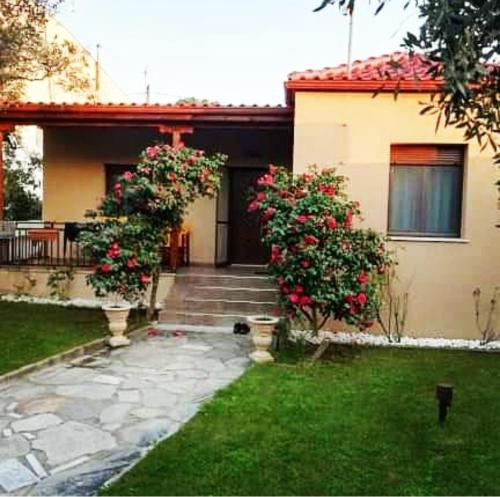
(426, 183)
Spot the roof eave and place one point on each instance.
(346, 85)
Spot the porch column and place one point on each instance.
(176, 132)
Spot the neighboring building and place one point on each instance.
(102, 87)
(432, 193)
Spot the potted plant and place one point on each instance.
(262, 328)
(124, 254)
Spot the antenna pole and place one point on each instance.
(97, 72)
(349, 43)
(146, 84)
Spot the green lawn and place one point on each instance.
(31, 332)
(363, 426)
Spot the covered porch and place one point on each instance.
(87, 146)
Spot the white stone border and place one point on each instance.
(82, 303)
(406, 342)
(29, 299)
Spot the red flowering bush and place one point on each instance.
(152, 200)
(324, 265)
(125, 255)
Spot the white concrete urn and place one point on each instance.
(117, 316)
(262, 328)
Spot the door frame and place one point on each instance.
(231, 171)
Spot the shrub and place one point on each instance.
(143, 206)
(323, 265)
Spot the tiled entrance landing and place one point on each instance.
(66, 430)
(203, 296)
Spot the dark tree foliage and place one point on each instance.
(461, 39)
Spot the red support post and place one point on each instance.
(2, 179)
(176, 132)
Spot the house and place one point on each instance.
(432, 193)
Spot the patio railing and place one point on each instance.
(52, 244)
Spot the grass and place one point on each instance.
(31, 332)
(360, 426)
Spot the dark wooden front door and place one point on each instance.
(245, 246)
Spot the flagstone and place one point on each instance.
(95, 391)
(13, 475)
(39, 405)
(37, 422)
(13, 446)
(72, 440)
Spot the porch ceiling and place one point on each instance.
(149, 115)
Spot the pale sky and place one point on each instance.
(232, 51)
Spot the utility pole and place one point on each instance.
(350, 13)
(146, 84)
(97, 72)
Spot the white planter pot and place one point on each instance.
(117, 323)
(262, 328)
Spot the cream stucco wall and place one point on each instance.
(32, 280)
(74, 166)
(354, 132)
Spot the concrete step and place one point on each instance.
(182, 292)
(221, 306)
(199, 318)
(224, 280)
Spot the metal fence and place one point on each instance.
(41, 243)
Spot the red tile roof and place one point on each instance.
(131, 114)
(398, 65)
(384, 73)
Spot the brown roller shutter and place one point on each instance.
(427, 155)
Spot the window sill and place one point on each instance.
(435, 239)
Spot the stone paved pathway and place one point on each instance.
(67, 429)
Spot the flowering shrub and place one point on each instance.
(324, 266)
(125, 254)
(152, 200)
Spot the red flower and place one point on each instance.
(280, 280)
(132, 263)
(361, 298)
(113, 251)
(348, 220)
(272, 169)
(172, 176)
(254, 206)
(105, 268)
(362, 278)
(328, 190)
(305, 263)
(294, 298)
(307, 178)
(310, 240)
(305, 300)
(152, 152)
(285, 290)
(299, 289)
(275, 254)
(331, 222)
(268, 213)
(266, 180)
(261, 196)
(144, 278)
(127, 175)
(349, 298)
(302, 219)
